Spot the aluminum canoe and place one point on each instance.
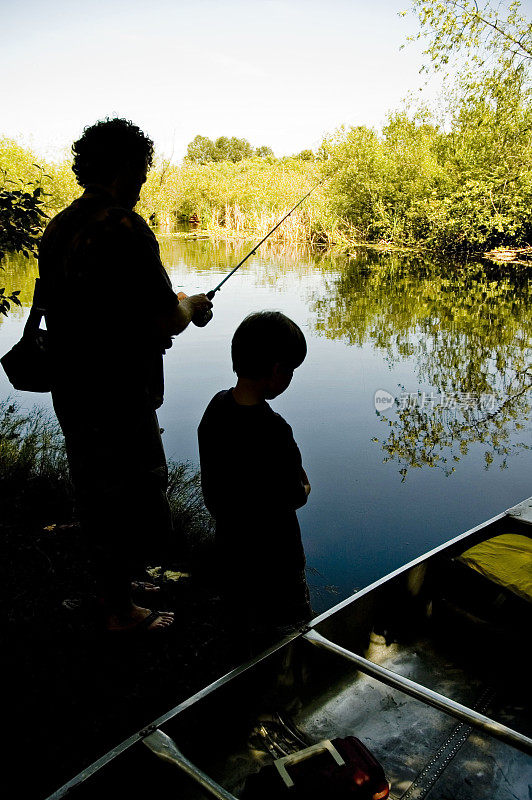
(428, 666)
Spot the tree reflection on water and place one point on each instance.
(468, 331)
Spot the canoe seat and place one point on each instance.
(506, 560)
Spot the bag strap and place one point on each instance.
(37, 310)
(38, 297)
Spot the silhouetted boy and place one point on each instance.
(253, 480)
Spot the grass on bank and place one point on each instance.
(36, 485)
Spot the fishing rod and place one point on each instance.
(205, 318)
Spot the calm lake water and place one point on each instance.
(447, 349)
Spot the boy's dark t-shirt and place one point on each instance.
(251, 474)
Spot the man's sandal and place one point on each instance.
(144, 586)
(143, 625)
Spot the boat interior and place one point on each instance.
(429, 668)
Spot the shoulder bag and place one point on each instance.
(27, 364)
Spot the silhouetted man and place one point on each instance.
(111, 313)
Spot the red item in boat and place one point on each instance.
(318, 776)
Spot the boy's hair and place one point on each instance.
(108, 146)
(264, 339)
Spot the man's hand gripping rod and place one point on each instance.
(205, 318)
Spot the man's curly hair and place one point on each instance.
(106, 148)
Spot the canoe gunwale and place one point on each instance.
(425, 695)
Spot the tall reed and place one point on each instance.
(248, 197)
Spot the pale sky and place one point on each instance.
(277, 72)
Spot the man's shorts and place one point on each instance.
(118, 468)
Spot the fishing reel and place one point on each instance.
(199, 319)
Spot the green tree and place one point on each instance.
(22, 220)
(488, 157)
(460, 183)
(473, 32)
(306, 155)
(264, 151)
(202, 150)
(232, 149)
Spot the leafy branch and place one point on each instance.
(22, 220)
(6, 300)
(461, 25)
